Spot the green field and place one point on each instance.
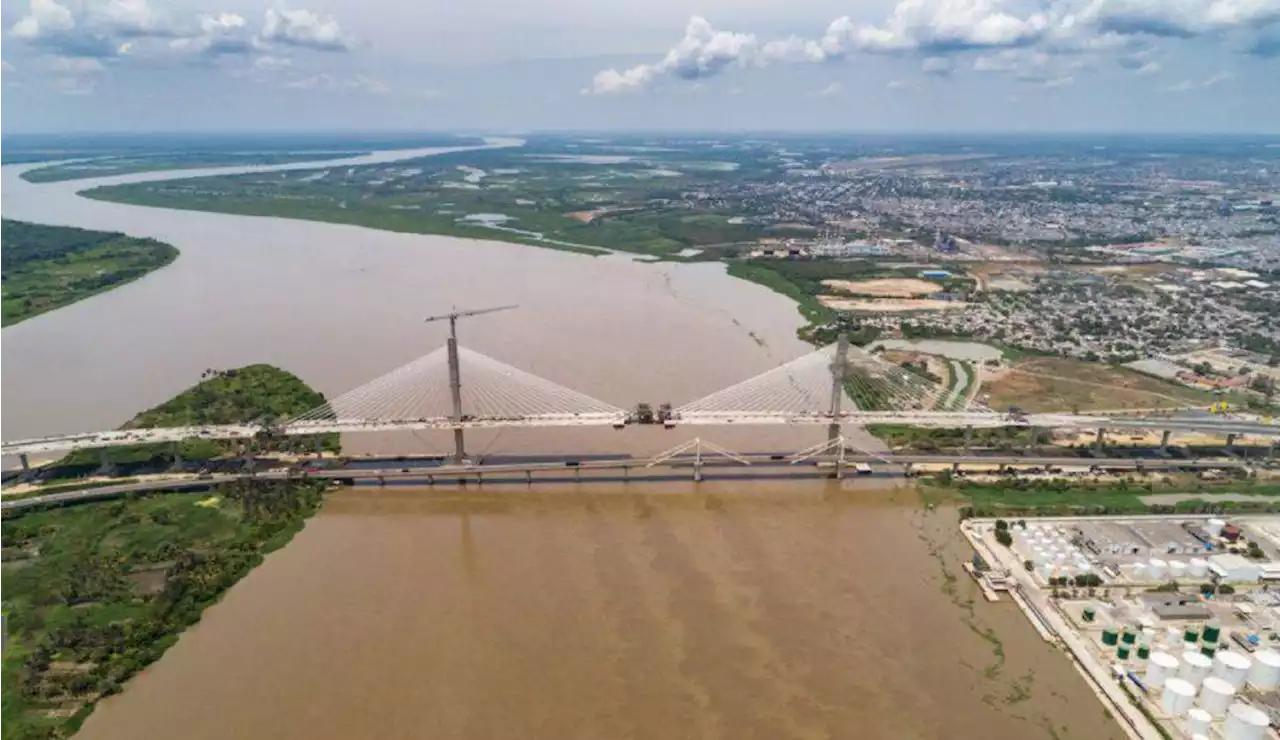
(47, 267)
(553, 193)
(94, 593)
(1067, 498)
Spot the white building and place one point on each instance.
(1234, 568)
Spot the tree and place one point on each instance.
(1001, 525)
(1028, 566)
(1004, 538)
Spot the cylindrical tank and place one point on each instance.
(1194, 667)
(1178, 570)
(1198, 721)
(1190, 635)
(1110, 636)
(1265, 673)
(1161, 666)
(1212, 632)
(1214, 527)
(1122, 652)
(1216, 695)
(1046, 570)
(1232, 667)
(1245, 722)
(1144, 652)
(1157, 569)
(1199, 568)
(1089, 614)
(1208, 650)
(1178, 696)
(1130, 635)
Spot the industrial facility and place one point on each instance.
(1174, 618)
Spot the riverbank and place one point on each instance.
(48, 267)
(94, 593)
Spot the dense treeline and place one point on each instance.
(46, 267)
(255, 393)
(94, 593)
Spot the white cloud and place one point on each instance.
(1148, 68)
(134, 19)
(74, 65)
(1211, 81)
(1180, 18)
(75, 85)
(269, 63)
(303, 28)
(829, 91)
(44, 17)
(702, 52)
(937, 66)
(936, 26)
(354, 83)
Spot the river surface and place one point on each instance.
(340, 305)
(754, 609)
(751, 610)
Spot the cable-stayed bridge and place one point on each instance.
(456, 389)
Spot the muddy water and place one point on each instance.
(340, 305)
(743, 611)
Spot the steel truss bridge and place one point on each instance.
(831, 386)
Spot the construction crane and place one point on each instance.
(455, 372)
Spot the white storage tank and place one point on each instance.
(1214, 527)
(1156, 569)
(1140, 572)
(1199, 568)
(1195, 666)
(1265, 673)
(1232, 668)
(1198, 721)
(1046, 570)
(1178, 570)
(1178, 697)
(1245, 722)
(1216, 695)
(1160, 666)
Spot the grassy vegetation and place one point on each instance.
(63, 488)
(1061, 384)
(251, 393)
(1066, 497)
(924, 439)
(552, 193)
(94, 593)
(112, 166)
(47, 267)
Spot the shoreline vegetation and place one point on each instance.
(95, 592)
(48, 267)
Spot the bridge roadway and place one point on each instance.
(450, 473)
(933, 419)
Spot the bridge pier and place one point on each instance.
(26, 463)
(1164, 441)
(528, 477)
(697, 471)
(1271, 450)
(955, 468)
(319, 446)
(1031, 441)
(908, 470)
(1231, 441)
(178, 462)
(1100, 441)
(968, 438)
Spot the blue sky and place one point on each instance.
(511, 65)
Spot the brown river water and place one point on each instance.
(728, 610)
(744, 610)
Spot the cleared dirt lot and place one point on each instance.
(885, 287)
(1046, 384)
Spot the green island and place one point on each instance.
(112, 166)
(260, 392)
(47, 267)
(552, 192)
(95, 592)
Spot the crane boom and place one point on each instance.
(455, 314)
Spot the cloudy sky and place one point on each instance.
(512, 65)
